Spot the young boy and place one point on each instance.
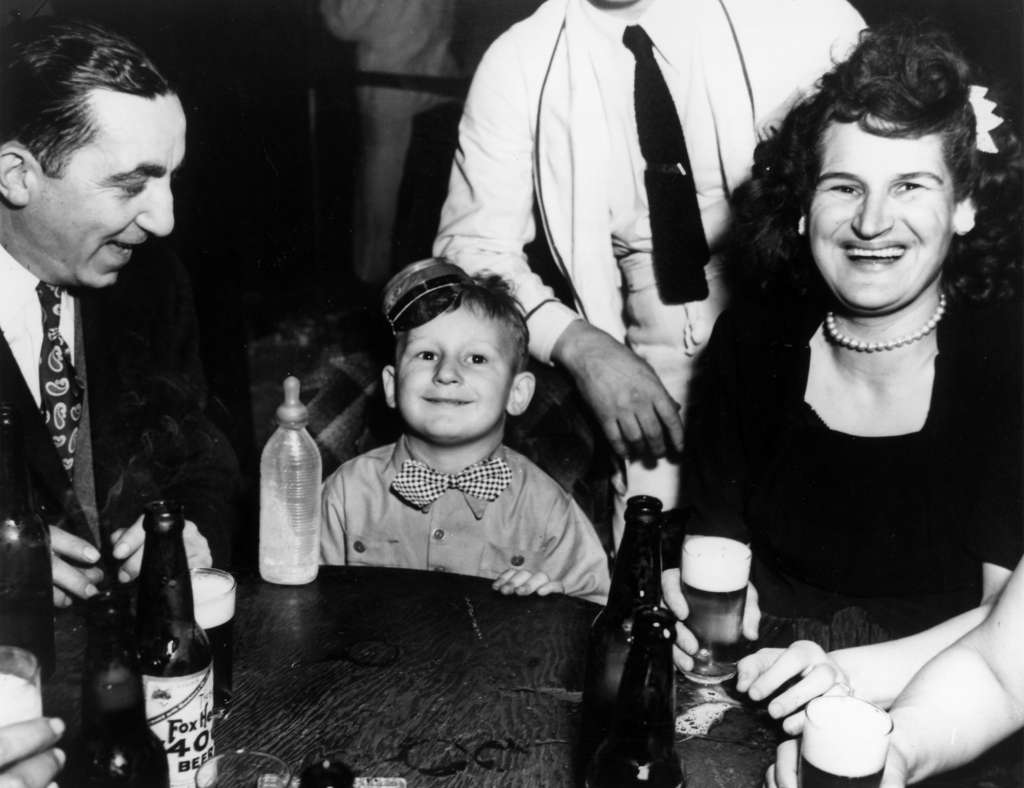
(448, 495)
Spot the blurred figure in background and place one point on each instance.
(400, 46)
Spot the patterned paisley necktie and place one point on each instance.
(421, 485)
(60, 391)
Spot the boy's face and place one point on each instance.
(454, 380)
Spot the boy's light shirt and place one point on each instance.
(533, 525)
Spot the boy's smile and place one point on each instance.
(453, 382)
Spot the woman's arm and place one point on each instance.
(965, 700)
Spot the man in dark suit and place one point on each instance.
(100, 347)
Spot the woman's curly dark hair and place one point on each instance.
(902, 80)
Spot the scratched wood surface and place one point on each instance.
(437, 679)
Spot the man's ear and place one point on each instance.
(963, 216)
(18, 170)
(519, 396)
(387, 379)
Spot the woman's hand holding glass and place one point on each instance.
(686, 643)
(805, 666)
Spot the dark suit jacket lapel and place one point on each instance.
(54, 496)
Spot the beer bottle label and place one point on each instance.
(179, 711)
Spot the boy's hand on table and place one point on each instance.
(523, 582)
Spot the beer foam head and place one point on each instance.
(845, 736)
(714, 563)
(213, 594)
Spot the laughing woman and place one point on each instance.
(860, 419)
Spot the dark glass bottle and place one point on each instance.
(636, 582)
(174, 652)
(26, 577)
(118, 750)
(639, 751)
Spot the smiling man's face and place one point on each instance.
(78, 229)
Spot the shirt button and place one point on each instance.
(517, 560)
(359, 547)
(438, 534)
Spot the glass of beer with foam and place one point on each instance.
(714, 572)
(213, 592)
(845, 742)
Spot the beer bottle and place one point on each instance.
(174, 652)
(118, 749)
(640, 748)
(26, 576)
(636, 582)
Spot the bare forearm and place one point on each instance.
(879, 673)
(954, 709)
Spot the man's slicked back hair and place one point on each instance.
(49, 67)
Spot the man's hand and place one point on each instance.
(522, 582)
(28, 758)
(686, 643)
(635, 411)
(762, 673)
(128, 544)
(73, 564)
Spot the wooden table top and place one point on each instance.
(428, 676)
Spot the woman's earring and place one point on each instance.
(801, 226)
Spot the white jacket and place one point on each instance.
(528, 131)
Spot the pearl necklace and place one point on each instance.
(839, 338)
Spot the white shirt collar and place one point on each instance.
(18, 286)
(665, 22)
(21, 318)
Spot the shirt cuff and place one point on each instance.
(546, 324)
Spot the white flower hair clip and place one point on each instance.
(985, 119)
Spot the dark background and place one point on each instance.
(264, 199)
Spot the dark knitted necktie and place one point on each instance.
(60, 391)
(677, 234)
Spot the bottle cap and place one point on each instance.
(292, 412)
(162, 517)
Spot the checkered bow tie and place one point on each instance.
(421, 485)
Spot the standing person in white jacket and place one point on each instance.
(550, 119)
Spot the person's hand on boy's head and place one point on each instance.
(523, 582)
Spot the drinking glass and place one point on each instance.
(19, 686)
(213, 592)
(844, 742)
(244, 769)
(714, 572)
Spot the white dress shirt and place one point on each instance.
(21, 319)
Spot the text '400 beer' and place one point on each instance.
(174, 653)
(715, 572)
(844, 744)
